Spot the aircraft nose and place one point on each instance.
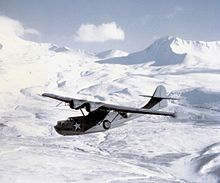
(59, 125)
(56, 127)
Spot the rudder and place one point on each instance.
(158, 100)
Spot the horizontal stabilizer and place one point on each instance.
(168, 98)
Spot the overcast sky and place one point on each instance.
(129, 25)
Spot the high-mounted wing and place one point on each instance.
(91, 106)
(136, 110)
(57, 97)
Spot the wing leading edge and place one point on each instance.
(57, 97)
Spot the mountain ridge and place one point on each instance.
(169, 51)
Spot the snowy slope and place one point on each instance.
(59, 49)
(148, 149)
(111, 54)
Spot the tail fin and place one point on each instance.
(158, 100)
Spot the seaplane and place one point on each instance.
(101, 116)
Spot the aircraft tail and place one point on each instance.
(158, 100)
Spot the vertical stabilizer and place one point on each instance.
(158, 100)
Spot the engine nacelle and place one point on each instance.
(89, 106)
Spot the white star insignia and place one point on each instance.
(77, 126)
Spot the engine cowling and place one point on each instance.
(72, 104)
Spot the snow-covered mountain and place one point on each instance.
(59, 49)
(111, 54)
(173, 50)
(148, 149)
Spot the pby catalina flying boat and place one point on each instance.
(102, 116)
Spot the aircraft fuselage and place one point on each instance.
(96, 121)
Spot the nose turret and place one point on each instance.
(60, 125)
(70, 126)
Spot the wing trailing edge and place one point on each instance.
(136, 110)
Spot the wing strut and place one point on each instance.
(59, 104)
(82, 111)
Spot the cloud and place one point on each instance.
(11, 28)
(32, 31)
(99, 33)
(172, 14)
